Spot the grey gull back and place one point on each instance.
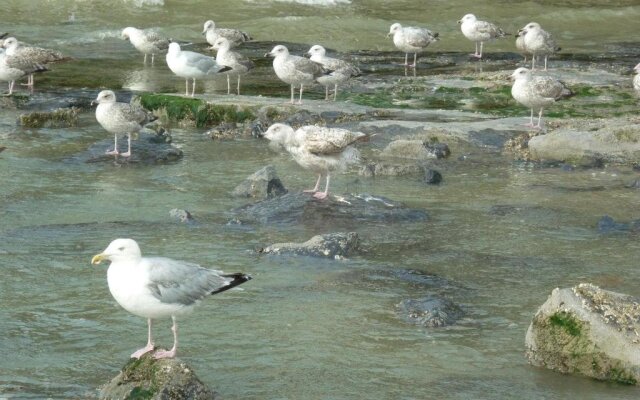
(235, 36)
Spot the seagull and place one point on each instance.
(146, 41)
(235, 36)
(479, 31)
(537, 41)
(636, 78)
(120, 118)
(317, 148)
(33, 55)
(341, 71)
(238, 63)
(536, 92)
(157, 287)
(295, 70)
(411, 40)
(189, 64)
(520, 45)
(13, 68)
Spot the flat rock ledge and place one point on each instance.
(148, 378)
(331, 245)
(587, 331)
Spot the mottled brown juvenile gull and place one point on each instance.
(411, 40)
(119, 118)
(479, 31)
(33, 55)
(636, 78)
(341, 71)
(189, 64)
(238, 63)
(536, 92)
(538, 42)
(146, 41)
(235, 36)
(295, 70)
(13, 68)
(158, 287)
(319, 149)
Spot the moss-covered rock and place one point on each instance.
(148, 378)
(195, 111)
(588, 331)
(59, 118)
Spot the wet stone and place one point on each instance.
(330, 245)
(262, 184)
(181, 215)
(299, 207)
(429, 311)
(607, 225)
(432, 177)
(415, 150)
(388, 169)
(59, 118)
(146, 149)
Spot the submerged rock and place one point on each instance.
(415, 150)
(148, 378)
(432, 177)
(430, 311)
(59, 118)
(330, 245)
(146, 149)
(181, 215)
(587, 331)
(607, 224)
(299, 207)
(387, 169)
(262, 184)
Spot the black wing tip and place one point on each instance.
(236, 279)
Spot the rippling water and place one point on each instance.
(303, 328)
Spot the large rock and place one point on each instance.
(262, 184)
(588, 331)
(299, 207)
(148, 378)
(58, 118)
(415, 150)
(330, 245)
(430, 311)
(146, 149)
(610, 140)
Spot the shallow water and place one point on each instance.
(303, 328)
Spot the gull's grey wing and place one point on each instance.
(322, 140)
(345, 68)
(233, 35)
(129, 113)
(39, 55)
(159, 41)
(548, 87)
(24, 64)
(491, 29)
(180, 282)
(307, 66)
(419, 37)
(204, 63)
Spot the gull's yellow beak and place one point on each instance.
(97, 259)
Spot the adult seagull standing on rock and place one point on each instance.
(120, 118)
(158, 287)
(536, 92)
(189, 64)
(411, 40)
(479, 32)
(295, 70)
(319, 149)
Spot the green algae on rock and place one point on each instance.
(59, 118)
(587, 331)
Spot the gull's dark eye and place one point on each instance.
(121, 248)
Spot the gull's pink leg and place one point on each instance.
(145, 59)
(293, 91)
(238, 90)
(539, 120)
(323, 195)
(228, 84)
(146, 348)
(415, 58)
(326, 93)
(153, 56)
(315, 188)
(301, 88)
(169, 353)
(335, 92)
(115, 151)
(186, 90)
(193, 89)
(128, 153)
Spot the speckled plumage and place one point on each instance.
(536, 92)
(295, 70)
(479, 31)
(119, 118)
(319, 149)
(235, 36)
(411, 40)
(238, 63)
(159, 287)
(146, 41)
(538, 42)
(341, 71)
(28, 55)
(13, 68)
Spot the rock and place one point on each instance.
(386, 169)
(635, 184)
(607, 225)
(415, 150)
(225, 131)
(330, 245)
(587, 331)
(432, 177)
(298, 207)
(181, 215)
(430, 312)
(148, 378)
(59, 118)
(146, 149)
(262, 184)
(610, 140)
